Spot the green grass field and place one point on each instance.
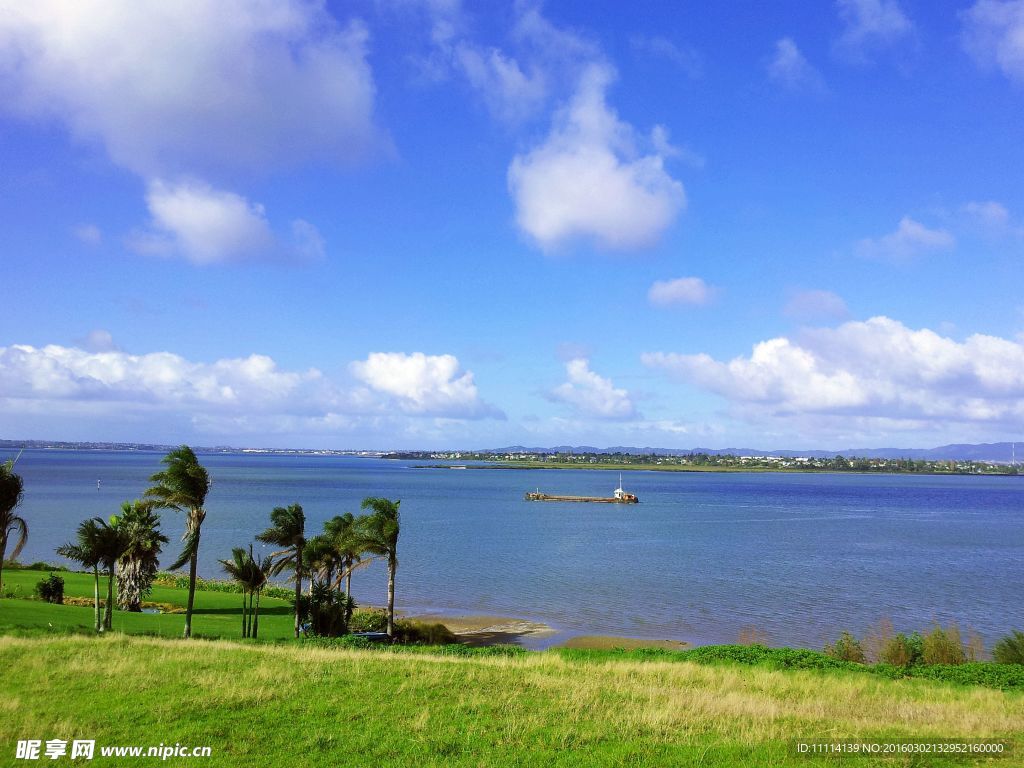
(216, 615)
(286, 703)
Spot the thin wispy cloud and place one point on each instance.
(910, 239)
(993, 34)
(789, 68)
(681, 291)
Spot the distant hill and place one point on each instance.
(992, 452)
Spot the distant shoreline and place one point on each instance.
(695, 468)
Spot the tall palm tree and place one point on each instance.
(288, 529)
(111, 543)
(11, 488)
(86, 550)
(137, 567)
(183, 486)
(378, 534)
(345, 537)
(251, 573)
(319, 560)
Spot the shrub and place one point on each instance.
(1010, 650)
(368, 620)
(846, 648)
(943, 646)
(899, 651)
(410, 632)
(876, 639)
(51, 589)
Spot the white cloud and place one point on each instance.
(89, 234)
(871, 23)
(989, 213)
(683, 56)
(682, 290)
(877, 369)
(160, 395)
(186, 86)
(511, 94)
(910, 239)
(193, 220)
(806, 305)
(993, 34)
(208, 225)
(424, 384)
(592, 395)
(790, 69)
(154, 380)
(587, 181)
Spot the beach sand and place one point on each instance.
(493, 630)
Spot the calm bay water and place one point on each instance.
(799, 556)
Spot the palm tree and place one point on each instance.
(137, 566)
(319, 560)
(11, 488)
(183, 486)
(86, 550)
(343, 533)
(378, 534)
(111, 543)
(288, 529)
(251, 573)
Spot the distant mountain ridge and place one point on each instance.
(993, 452)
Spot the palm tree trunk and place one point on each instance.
(298, 587)
(256, 617)
(108, 614)
(96, 594)
(3, 554)
(244, 627)
(192, 565)
(348, 581)
(392, 567)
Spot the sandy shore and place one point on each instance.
(489, 630)
(492, 630)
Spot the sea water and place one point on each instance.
(799, 557)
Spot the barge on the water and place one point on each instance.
(620, 497)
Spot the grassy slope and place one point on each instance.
(217, 614)
(271, 704)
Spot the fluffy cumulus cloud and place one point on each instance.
(588, 181)
(682, 291)
(208, 226)
(871, 24)
(789, 68)
(424, 384)
(590, 394)
(911, 238)
(877, 369)
(98, 389)
(185, 86)
(154, 380)
(993, 34)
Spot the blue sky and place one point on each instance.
(425, 223)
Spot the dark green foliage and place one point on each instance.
(37, 566)
(901, 651)
(1010, 650)
(846, 648)
(327, 610)
(368, 620)
(418, 633)
(51, 589)
(943, 646)
(180, 581)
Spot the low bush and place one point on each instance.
(943, 646)
(846, 648)
(1010, 650)
(368, 620)
(14, 565)
(51, 589)
(410, 632)
(900, 651)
